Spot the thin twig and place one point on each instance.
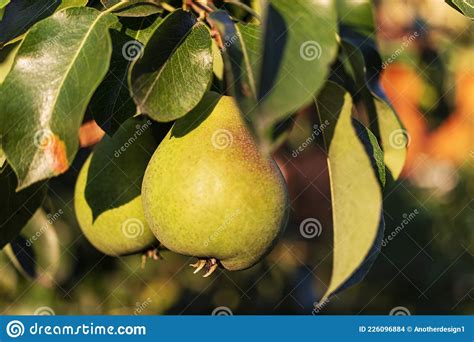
(202, 5)
(167, 7)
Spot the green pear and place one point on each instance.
(107, 198)
(209, 193)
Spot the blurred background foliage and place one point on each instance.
(426, 267)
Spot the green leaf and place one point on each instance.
(292, 64)
(16, 208)
(20, 15)
(241, 47)
(119, 162)
(391, 131)
(112, 104)
(175, 70)
(297, 52)
(71, 3)
(7, 55)
(3, 4)
(357, 14)
(355, 191)
(218, 62)
(465, 7)
(3, 159)
(382, 117)
(134, 8)
(141, 29)
(60, 63)
(372, 148)
(369, 260)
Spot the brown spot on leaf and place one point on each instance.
(57, 151)
(90, 134)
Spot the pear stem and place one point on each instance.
(152, 253)
(210, 264)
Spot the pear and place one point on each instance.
(107, 198)
(208, 192)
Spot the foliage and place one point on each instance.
(62, 61)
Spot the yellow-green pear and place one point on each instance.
(208, 192)
(107, 198)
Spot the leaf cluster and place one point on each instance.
(64, 62)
